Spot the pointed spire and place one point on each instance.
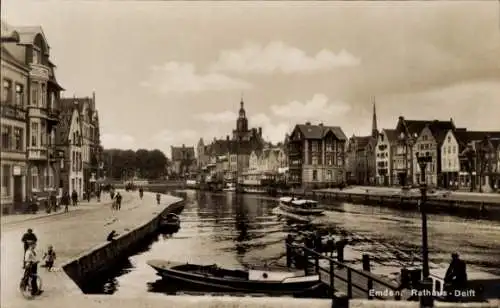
(374, 119)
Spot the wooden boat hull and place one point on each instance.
(299, 211)
(208, 282)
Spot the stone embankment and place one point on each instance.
(437, 201)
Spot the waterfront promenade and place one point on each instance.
(72, 234)
(438, 194)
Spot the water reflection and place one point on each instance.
(235, 231)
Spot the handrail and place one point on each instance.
(362, 273)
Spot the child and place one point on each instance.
(49, 257)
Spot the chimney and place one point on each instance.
(183, 145)
(401, 118)
(321, 124)
(227, 137)
(308, 123)
(260, 131)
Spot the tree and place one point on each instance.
(125, 164)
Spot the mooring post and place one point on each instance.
(366, 267)
(341, 300)
(332, 278)
(340, 250)
(316, 263)
(306, 261)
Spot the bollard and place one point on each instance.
(340, 250)
(340, 300)
(405, 278)
(366, 262)
(288, 256)
(426, 300)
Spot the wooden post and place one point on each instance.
(306, 261)
(349, 283)
(288, 255)
(332, 277)
(316, 263)
(340, 250)
(366, 267)
(341, 300)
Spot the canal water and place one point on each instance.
(236, 231)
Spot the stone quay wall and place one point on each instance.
(103, 256)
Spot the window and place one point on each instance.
(315, 146)
(43, 134)
(34, 134)
(329, 175)
(449, 139)
(454, 149)
(34, 94)
(329, 146)
(424, 137)
(18, 139)
(7, 91)
(314, 160)
(36, 56)
(6, 135)
(34, 178)
(329, 160)
(315, 175)
(6, 180)
(43, 97)
(19, 95)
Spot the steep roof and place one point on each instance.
(439, 129)
(64, 126)
(319, 131)
(414, 127)
(391, 134)
(468, 136)
(362, 141)
(7, 56)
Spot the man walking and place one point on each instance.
(74, 197)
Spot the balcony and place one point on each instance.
(39, 71)
(37, 153)
(53, 115)
(37, 112)
(13, 112)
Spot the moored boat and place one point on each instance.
(300, 206)
(170, 221)
(229, 280)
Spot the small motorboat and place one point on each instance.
(212, 277)
(170, 222)
(300, 206)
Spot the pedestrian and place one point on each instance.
(98, 194)
(65, 201)
(158, 197)
(28, 237)
(49, 257)
(74, 197)
(89, 194)
(456, 275)
(53, 201)
(118, 201)
(31, 261)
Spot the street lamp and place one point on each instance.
(426, 300)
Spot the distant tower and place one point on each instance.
(242, 122)
(374, 120)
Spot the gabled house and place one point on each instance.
(69, 141)
(183, 160)
(408, 131)
(386, 142)
(316, 155)
(428, 143)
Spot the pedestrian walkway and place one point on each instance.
(82, 206)
(71, 235)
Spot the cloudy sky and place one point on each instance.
(168, 73)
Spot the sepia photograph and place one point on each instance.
(257, 154)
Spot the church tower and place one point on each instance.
(374, 120)
(242, 121)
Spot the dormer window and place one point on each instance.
(37, 56)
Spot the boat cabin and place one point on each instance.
(305, 204)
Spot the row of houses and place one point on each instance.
(459, 158)
(38, 154)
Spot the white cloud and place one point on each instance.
(182, 77)
(118, 141)
(254, 58)
(221, 117)
(317, 108)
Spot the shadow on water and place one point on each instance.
(240, 231)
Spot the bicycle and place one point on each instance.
(26, 282)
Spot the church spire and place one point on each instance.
(374, 119)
